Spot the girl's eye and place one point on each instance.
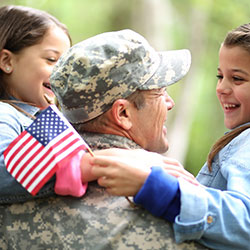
(52, 59)
(236, 78)
(219, 77)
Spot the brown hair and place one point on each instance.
(222, 142)
(21, 27)
(237, 37)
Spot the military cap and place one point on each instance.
(94, 73)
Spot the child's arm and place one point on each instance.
(86, 173)
(73, 176)
(125, 171)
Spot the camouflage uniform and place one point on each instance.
(97, 221)
(98, 141)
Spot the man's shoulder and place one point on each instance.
(96, 221)
(98, 141)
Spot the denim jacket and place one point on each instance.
(218, 214)
(12, 123)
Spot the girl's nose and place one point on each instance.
(223, 87)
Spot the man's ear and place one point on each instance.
(121, 112)
(6, 61)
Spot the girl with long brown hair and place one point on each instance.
(31, 41)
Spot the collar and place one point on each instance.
(26, 107)
(98, 141)
(244, 124)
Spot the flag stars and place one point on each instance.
(47, 126)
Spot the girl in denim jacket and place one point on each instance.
(31, 41)
(216, 213)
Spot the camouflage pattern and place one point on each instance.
(94, 73)
(96, 221)
(98, 141)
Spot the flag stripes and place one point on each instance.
(33, 158)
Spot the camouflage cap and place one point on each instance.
(94, 73)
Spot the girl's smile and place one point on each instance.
(233, 88)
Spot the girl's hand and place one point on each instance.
(86, 166)
(123, 172)
(174, 168)
(119, 176)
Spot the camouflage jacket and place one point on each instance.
(95, 221)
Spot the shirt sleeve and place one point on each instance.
(68, 177)
(160, 194)
(219, 218)
(12, 123)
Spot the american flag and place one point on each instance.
(34, 156)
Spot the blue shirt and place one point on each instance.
(217, 214)
(160, 194)
(12, 123)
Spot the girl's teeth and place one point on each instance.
(229, 106)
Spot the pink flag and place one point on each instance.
(34, 156)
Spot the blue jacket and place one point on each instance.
(12, 123)
(216, 214)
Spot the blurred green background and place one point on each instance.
(199, 25)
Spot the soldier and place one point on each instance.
(98, 220)
(221, 206)
(112, 87)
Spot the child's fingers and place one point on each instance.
(179, 170)
(183, 175)
(104, 182)
(99, 171)
(103, 161)
(172, 161)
